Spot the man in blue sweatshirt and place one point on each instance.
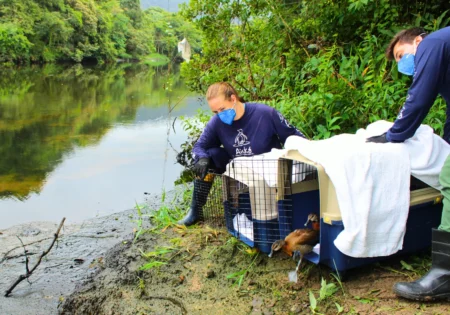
(427, 59)
(237, 129)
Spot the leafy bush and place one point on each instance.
(320, 62)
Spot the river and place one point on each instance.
(80, 142)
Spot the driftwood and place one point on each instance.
(29, 271)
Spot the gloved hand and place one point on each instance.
(378, 139)
(201, 167)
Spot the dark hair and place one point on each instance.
(222, 88)
(405, 36)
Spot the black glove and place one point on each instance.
(378, 139)
(201, 167)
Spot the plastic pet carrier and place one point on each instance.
(264, 200)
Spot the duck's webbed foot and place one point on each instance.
(298, 254)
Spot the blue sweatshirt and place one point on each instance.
(260, 129)
(431, 77)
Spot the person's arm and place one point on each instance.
(207, 140)
(283, 128)
(431, 66)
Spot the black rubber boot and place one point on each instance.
(435, 284)
(199, 198)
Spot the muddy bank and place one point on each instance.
(175, 270)
(78, 254)
(205, 271)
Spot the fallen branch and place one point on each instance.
(26, 255)
(18, 256)
(30, 272)
(6, 257)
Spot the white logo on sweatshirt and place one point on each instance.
(240, 141)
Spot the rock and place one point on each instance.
(257, 304)
(296, 309)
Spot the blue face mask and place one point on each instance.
(406, 64)
(227, 116)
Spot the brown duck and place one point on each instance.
(301, 241)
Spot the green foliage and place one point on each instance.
(75, 30)
(320, 62)
(239, 276)
(194, 127)
(169, 213)
(159, 251)
(14, 45)
(327, 290)
(139, 222)
(152, 264)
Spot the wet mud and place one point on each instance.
(98, 268)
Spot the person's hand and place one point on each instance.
(378, 139)
(201, 167)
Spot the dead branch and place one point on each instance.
(30, 272)
(26, 255)
(6, 257)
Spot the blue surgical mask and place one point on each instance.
(406, 64)
(227, 116)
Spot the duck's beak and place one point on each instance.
(271, 253)
(307, 221)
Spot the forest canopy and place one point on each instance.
(77, 30)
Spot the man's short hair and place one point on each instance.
(405, 36)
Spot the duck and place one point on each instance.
(301, 241)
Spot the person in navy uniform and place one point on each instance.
(427, 59)
(237, 129)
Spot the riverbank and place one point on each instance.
(78, 254)
(98, 269)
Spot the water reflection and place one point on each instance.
(86, 140)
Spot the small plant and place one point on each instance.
(166, 216)
(337, 277)
(339, 308)
(169, 213)
(365, 300)
(141, 285)
(157, 257)
(152, 264)
(326, 291)
(312, 302)
(139, 229)
(158, 252)
(240, 275)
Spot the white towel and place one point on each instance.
(243, 225)
(372, 188)
(427, 151)
(259, 173)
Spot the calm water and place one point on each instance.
(80, 142)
